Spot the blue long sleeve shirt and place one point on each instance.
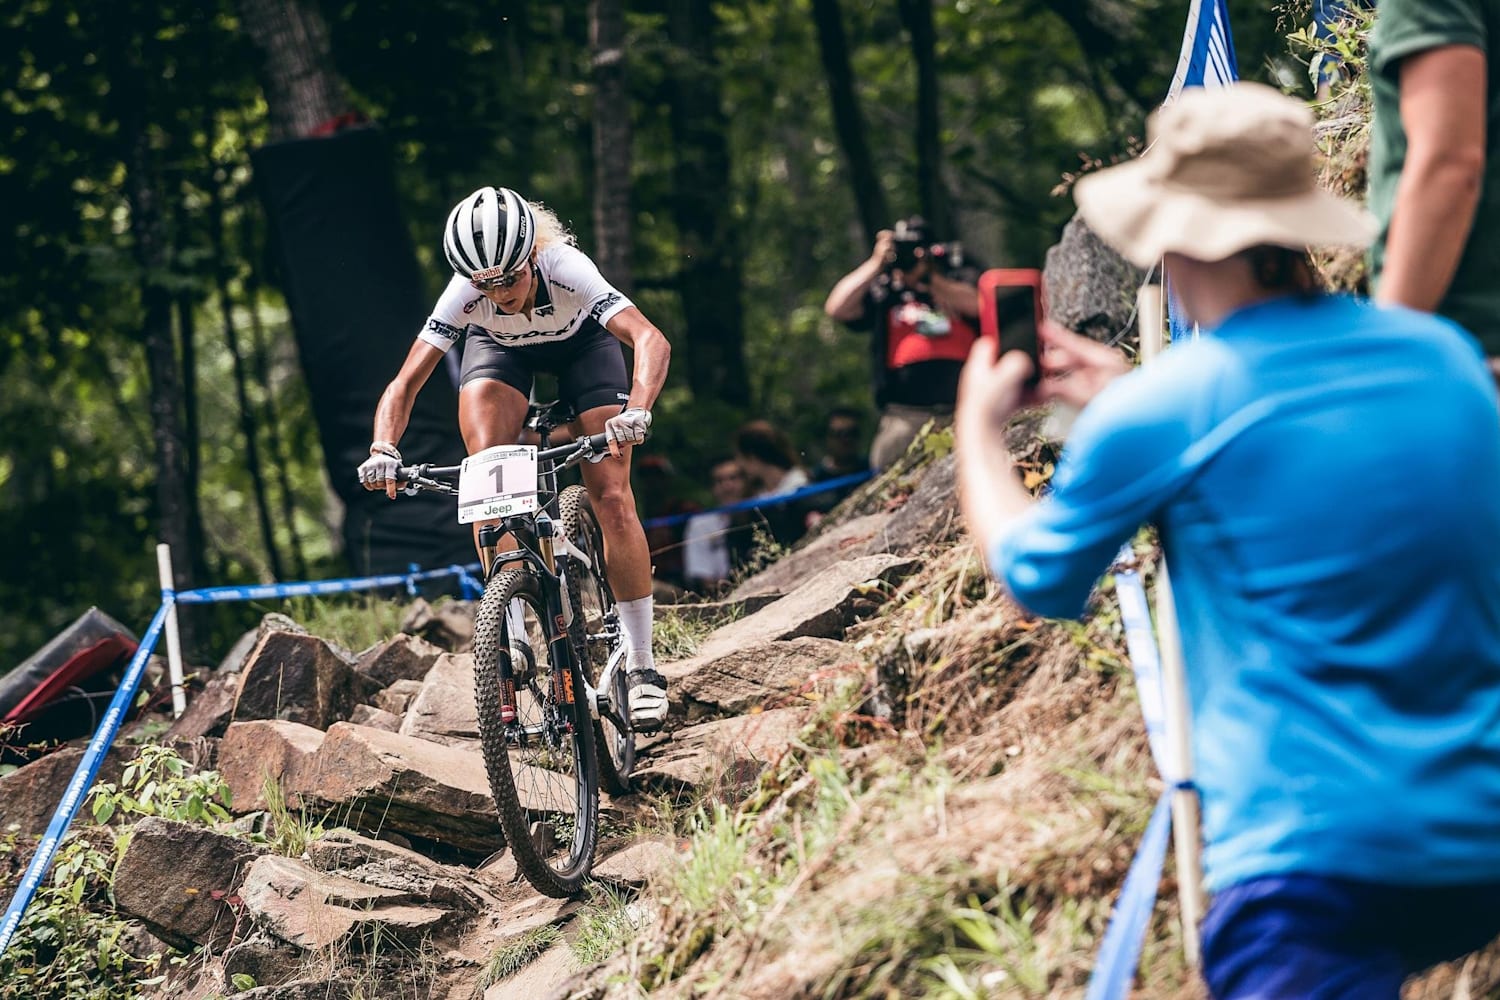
(1325, 475)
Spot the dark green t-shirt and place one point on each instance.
(1405, 28)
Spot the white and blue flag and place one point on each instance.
(1207, 60)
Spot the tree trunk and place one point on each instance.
(916, 15)
(192, 436)
(148, 227)
(270, 419)
(848, 120)
(303, 92)
(241, 390)
(709, 267)
(612, 139)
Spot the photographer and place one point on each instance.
(921, 305)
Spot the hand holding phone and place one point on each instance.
(1011, 310)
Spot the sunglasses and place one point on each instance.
(504, 281)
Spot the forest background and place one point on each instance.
(726, 171)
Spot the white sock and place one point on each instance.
(635, 622)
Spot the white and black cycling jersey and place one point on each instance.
(571, 295)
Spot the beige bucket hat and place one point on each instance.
(1226, 169)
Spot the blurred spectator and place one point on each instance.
(1434, 172)
(1340, 617)
(658, 493)
(842, 456)
(766, 455)
(921, 305)
(715, 543)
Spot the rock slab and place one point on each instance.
(178, 878)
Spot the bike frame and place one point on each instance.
(537, 544)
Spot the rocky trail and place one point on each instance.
(403, 886)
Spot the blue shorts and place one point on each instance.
(1318, 938)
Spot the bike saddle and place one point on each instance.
(549, 416)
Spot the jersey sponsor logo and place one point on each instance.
(603, 306)
(564, 287)
(444, 330)
(469, 307)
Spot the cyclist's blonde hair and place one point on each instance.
(550, 231)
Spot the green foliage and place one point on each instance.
(287, 832)
(603, 926)
(356, 621)
(161, 783)
(69, 945)
(517, 953)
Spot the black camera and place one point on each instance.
(912, 246)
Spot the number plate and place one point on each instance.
(497, 482)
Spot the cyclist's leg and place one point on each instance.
(494, 392)
(597, 385)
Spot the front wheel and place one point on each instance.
(597, 639)
(537, 736)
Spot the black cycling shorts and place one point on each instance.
(590, 366)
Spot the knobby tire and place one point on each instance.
(491, 643)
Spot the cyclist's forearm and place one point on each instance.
(653, 354)
(393, 412)
(394, 409)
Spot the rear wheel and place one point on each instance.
(540, 759)
(597, 638)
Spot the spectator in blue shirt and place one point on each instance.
(1325, 476)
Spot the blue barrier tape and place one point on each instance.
(93, 757)
(755, 503)
(1120, 953)
(1145, 663)
(316, 588)
(83, 777)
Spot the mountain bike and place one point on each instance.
(549, 655)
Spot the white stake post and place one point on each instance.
(1178, 716)
(174, 639)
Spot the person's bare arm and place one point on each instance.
(955, 296)
(846, 301)
(394, 409)
(989, 493)
(1443, 107)
(652, 355)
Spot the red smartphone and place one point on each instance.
(1012, 305)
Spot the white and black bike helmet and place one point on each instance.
(489, 233)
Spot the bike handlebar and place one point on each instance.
(441, 477)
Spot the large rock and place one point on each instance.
(268, 961)
(443, 711)
(728, 754)
(823, 606)
(378, 781)
(928, 517)
(397, 698)
(1090, 288)
(253, 753)
(316, 910)
(753, 678)
(30, 795)
(390, 866)
(375, 718)
(297, 678)
(450, 625)
(239, 653)
(177, 879)
(400, 658)
(834, 545)
(208, 710)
